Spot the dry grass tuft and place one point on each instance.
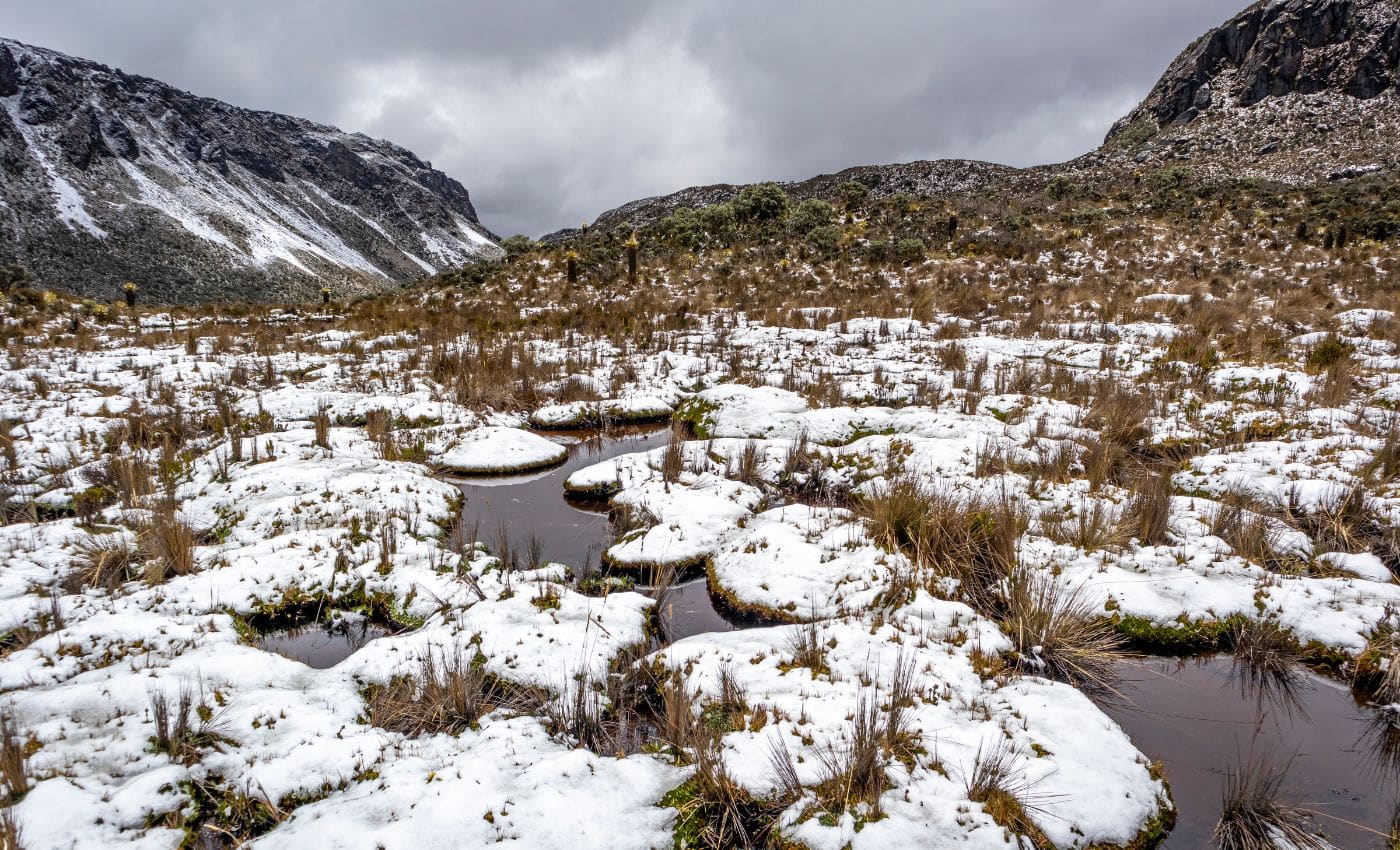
(998, 783)
(445, 694)
(1254, 818)
(971, 539)
(1148, 518)
(853, 772)
(166, 544)
(14, 757)
(184, 727)
(1092, 527)
(1059, 633)
(807, 646)
(11, 838)
(103, 560)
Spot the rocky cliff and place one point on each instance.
(106, 177)
(1292, 90)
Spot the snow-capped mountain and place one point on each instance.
(107, 177)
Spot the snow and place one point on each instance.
(68, 201)
(495, 450)
(341, 523)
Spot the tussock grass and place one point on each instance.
(14, 757)
(11, 837)
(1148, 517)
(444, 694)
(713, 812)
(1252, 535)
(1347, 520)
(1092, 527)
(184, 726)
(673, 456)
(971, 539)
(807, 647)
(853, 772)
(103, 561)
(166, 545)
(1253, 817)
(1059, 633)
(997, 781)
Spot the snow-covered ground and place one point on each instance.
(327, 498)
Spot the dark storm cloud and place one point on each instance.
(551, 112)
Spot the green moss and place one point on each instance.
(696, 413)
(1186, 637)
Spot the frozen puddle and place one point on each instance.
(1193, 717)
(324, 644)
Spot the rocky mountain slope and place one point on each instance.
(107, 177)
(1288, 90)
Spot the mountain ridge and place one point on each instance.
(1298, 124)
(107, 176)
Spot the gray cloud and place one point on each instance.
(552, 111)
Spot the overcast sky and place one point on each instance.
(551, 112)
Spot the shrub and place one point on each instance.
(810, 215)
(825, 241)
(517, 245)
(852, 194)
(719, 222)
(910, 250)
(761, 203)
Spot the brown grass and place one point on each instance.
(444, 694)
(166, 545)
(1093, 526)
(998, 783)
(1148, 518)
(971, 539)
(1253, 817)
(184, 727)
(14, 757)
(103, 561)
(1058, 633)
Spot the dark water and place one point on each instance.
(1189, 714)
(533, 505)
(322, 645)
(688, 610)
(1193, 717)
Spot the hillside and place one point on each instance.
(1289, 91)
(107, 177)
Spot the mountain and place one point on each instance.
(1295, 91)
(107, 177)
(1290, 90)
